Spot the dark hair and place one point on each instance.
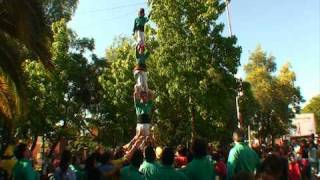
(150, 154)
(137, 158)
(19, 151)
(119, 153)
(199, 148)
(90, 168)
(273, 165)
(167, 156)
(65, 160)
(106, 156)
(239, 135)
(243, 175)
(90, 162)
(182, 150)
(141, 10)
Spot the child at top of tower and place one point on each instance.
(138, 27)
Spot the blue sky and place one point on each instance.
(287, 29)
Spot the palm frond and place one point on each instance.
(25, 22)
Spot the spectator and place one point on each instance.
(8, 161)
(91, 171)
(3, 173)
(149, 167)
(274, 167)
(241, 157)
(75, 167)
(23, 169)
(63, 171)
(200, 167)
(107, 169)
(220, 166)
(131, 172)
(246, 176)
(181, 159)
(166, 170)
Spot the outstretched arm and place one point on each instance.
(135, 97)
(151, 95)
(149, 15)
(134, 27)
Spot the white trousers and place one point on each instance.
(142, 79)
(143, 128)
(140, 37)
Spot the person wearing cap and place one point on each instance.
(138, 27)
(140, 70)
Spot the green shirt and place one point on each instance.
(242, 158)
(141, 58)
(200, 168)
(143, 108)
(139, 23)
(149, 169)
(24, 171)
(168, 173)
(77, 170)
(130, 173)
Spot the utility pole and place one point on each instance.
(228, 16)
(239, 81)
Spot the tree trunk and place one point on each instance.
(193, 123)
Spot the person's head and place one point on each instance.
(21, 151)
(182, 150)
(106, 157)
(119, 152)
(149, 154)
(158, 152)
(167, 156)
(144, 96)
(65, 160)
(75, 159)
(137, 158)
(199, 148)
(238, 135)
(141, 12)
(273, 166)
(91, 162)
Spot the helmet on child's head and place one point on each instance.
(141, 11)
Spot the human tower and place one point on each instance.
(143, 96)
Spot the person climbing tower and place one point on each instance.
(138, 28)
(143, 103)
(140, 70)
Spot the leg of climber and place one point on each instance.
(140, 37)
(144, 79)
(138, 76)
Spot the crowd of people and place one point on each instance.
(201, 161)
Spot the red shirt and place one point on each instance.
(221, 169)
(294, 171)
(181, 161)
